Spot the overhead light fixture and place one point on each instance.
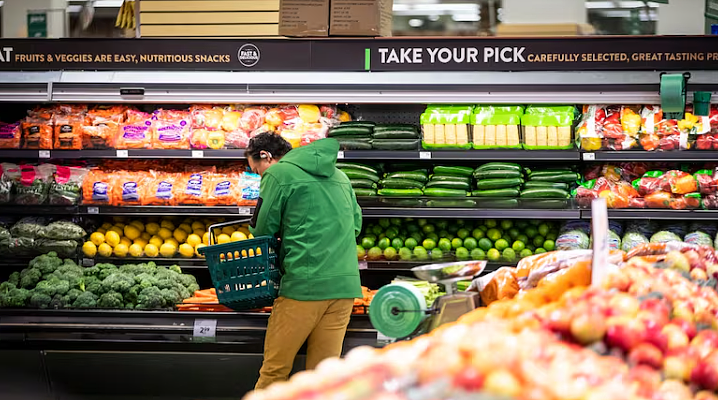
(466, 17)
(612, 5)
(416, 22)
(434, 18)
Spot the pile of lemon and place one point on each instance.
(167, 237)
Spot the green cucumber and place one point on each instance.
(547, 172)
(453, 170)
(439, 192)
(450, 178)
(413, 175)
(363, 183)
(499, 183)
(566, 177)
(396, 144)
(506, 192)
(350, 131)
(346, 165)
(355, 144)
(544, 193)
(498, 203)
(362, 124)
(499, 166)
(451, 203)
(395, 127)
(364, 192)
(394, 134)
(545, 203)
(494, 174)
(530, 171)
(399, 183)
(540, 184)
(360, 174)
(400, 192)
(448, 185)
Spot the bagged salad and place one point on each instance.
(66, 187)
(33, 187)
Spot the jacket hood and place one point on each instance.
(318, 158)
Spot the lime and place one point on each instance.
(433, 236)
(442, 224)
(444, 244)
(470, 243)
(509, 255)
(444, 233)
(552, 236)
(377, 230)
(549, 245)
(478, 254)
(493, 255)
(523, 238)
(460, 222)
(491, 223)
(390, 253)
(543, 229)
(514, 233)
(478, 234)
(493, 234)
(437, 254)
(463, 233)
(483, 228)
(507, 238)
(395, 221)
(531, 247)
(453, 229)
(397, 243)
(417, 236)
(539, 250)
(367, 242)
(428, 244)
(421, 253)
(374, 253)
(384, 222)
(421, 221)
(372, 236)
(405, 254)
(501, 244)
(411, 228)
(456, 243)
(361, 252)
(525, 253)
(411, 242)
(384, 243)
(485, 244)
(521, 224)
(392, 232)
(518, 246)
(538, 241)
(531, 231)
(535, 222)
(428, 228)
(462, 253)
(382, 235)
(507, 224)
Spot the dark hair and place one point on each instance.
(269, 142)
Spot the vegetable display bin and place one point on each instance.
(245, 274)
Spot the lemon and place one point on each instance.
(196, 250)
(106, 226)
(205, 238)
(250, 236)
(138, 224)
(118, 230)
(174, 242)
(167, 224)
(168, 250)
(146, 236)
(102, 231)
(223, 238)
(151, 250)
(185, 227)
(120, 225)
(197, 225)
(186, 250)
(104, 250)
(164, 233)
(193, 240)
(126, 241)
(156, 241)
(152, 228)
(112, 238)
(237, 236)
(121, 250)
(97, 238)
(136, 250)
(141, 242)
(132, 232)
(119, 219)
(228, 230)
(89, 249)
(180, 235)
(198, 232)
(244, 230)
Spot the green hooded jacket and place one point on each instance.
(310, 204)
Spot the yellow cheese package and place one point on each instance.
(446, 127)
(548, 127)
(496, 127)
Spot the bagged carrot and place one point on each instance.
(68, 132)
(136, 132)
(222, 189)
(10, 135)
(159, 189)
(36, 134)
(194, 187)
(127, 187)
(97, 188)
(171, 130)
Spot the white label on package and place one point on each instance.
(363, 265)
(43, 154)
(205, 328)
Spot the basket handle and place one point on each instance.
(213, 239)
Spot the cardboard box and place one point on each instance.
(360, 18)
(304, 18)
(544, 30)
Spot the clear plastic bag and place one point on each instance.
(66, 188)
(33, 187)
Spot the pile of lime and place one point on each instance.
(457, 239)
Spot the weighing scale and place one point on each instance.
(399, 310)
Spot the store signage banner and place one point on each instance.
(489, 54)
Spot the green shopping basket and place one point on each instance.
(245, 274)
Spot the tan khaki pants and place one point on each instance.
(322, 324)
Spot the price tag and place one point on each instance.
(88, 262)
(382, 338)
(43, 154)
(244, 211)
(205, 328)
(589, 156)
(123, 153)
(425, 155)
(363, 265)
(93, 210)
(197, 154)
(340, 155)
(599, 225)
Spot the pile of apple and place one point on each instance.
(699, 263)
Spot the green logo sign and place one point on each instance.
(37, 24)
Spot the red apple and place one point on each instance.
(648, 378)
(674, 390)
(712, 270)
(588, 328)
(698, 274)
(684, 311)
(694, 259)
(676, 367)
(705, 342)
(559, 321)
(705, 375)
(503, 382)
(688, 327)
(470, 379)
(705, 395)
(646, 354)
(623, 304)
(676, 337)
(659, 308)
(625, 333)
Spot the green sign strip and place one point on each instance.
(367, 59)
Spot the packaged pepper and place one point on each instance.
(10, 135)
(68, 132)
(36, 134)
(684, 185)
(658, 200)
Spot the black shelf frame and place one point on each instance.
(656, 156)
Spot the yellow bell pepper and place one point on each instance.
(215, 140)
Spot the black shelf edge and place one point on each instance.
(188, 263)
(38, 210)
(461, 155)
(658, 156)
(657, 214)
(388, 212)
(234, 154)
(218, 211)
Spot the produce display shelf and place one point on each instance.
(38, 210)
(463, 155)
(659, 156)
(657, 214)
(496, 213)
(122, 154)
(218, 211)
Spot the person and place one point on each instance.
(310, 205)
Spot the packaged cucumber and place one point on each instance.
(446, 127)
(496, 127)
(396, 131)
(548, 127)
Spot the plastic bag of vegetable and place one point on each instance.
(708, 227)
(65, 189)
(28, 227)
(665, 237)
(698, 238)
(678, 228)
(20, 246)
(63, 230)
(8, 174)
(33, 187)
(63, 248)
(573, 240)
(632, 239)
(4, 233)
(645, 228)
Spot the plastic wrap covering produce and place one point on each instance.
(496, 127)
(548, 127)
(446, 127)
(33, 235)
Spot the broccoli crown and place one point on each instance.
(105, 269)
(6, 287)
(145, 280)
(14, 298)
(150, 298)
(46, 263)
(111, 300)
(29, 277)
(14, 278)
(85, 300)
(58, 301)
(187, 280)
(40, 300)
(52, 287)
(176, 268)
(93, 284)
(118, 282)
(131, 295)
(91, 271)
(73, 294)
(171, 297)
